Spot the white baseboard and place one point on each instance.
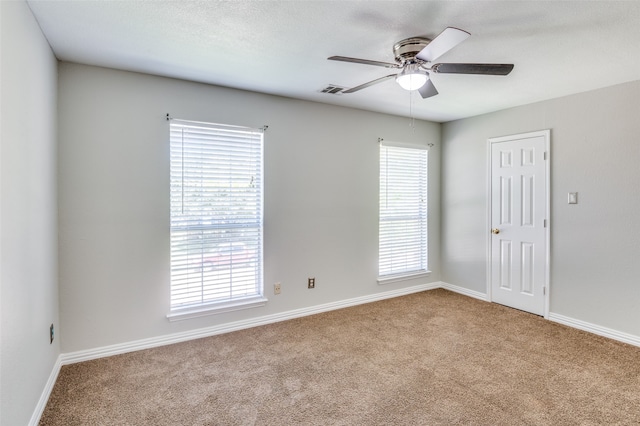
(464, 291)
(46, 392)
(595, 329)
(571, 322)
(86, 355)
(105, 351)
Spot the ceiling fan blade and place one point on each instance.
(364, 61)
(445, 41)
(428, 90)
(371, 83)
(485, 69)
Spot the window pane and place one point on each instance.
(216, 213)
(403, 210)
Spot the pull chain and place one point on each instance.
(412, 122)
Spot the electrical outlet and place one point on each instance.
(51, 334)
(311, 283)
(276, 288)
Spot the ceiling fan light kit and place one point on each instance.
(411, 77)
(414, 57)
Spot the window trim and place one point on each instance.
(228, 305)
(178, 314)
(417, 273)
(390, 279)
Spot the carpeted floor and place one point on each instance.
(432, 358)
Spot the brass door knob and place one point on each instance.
(495, 231)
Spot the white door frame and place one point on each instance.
(547, 141)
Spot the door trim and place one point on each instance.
(547, 170)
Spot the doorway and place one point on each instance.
(519, 229)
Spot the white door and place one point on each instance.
(518, 230)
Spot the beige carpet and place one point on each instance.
(432, 358)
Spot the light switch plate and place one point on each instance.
(573, 198)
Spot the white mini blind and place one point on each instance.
(216, 213)
(403, 210)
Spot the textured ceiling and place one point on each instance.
(280, 47)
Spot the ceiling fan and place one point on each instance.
(414, 58)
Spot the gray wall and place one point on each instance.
(321, 200)
(28, 213)
(595, 245)
(105, 192)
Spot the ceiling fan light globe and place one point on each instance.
(411, 81)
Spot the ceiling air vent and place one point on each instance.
(332, 89)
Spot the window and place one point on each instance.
(216, 217)
(403, 211)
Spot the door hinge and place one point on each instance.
(545, 155)
(544, 291)
(544, 223)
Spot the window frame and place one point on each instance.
(388, 274)
(216, 222)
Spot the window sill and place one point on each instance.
(216, 308)
(402, 277)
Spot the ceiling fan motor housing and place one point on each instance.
(407, 49)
